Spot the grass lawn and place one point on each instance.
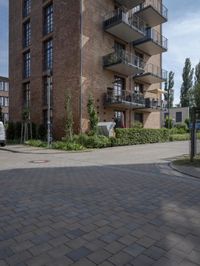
(185, 161)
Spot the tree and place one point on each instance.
(93, 117)
(196, 89)
(169, 96)
(69, 116)
(187, 84)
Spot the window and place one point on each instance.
(139, 117)
(139, 88)
(27, 8)
(1, 101)
(26, 95)
(178, 117)
(27, 65)
(27, 34)
(48, 55)
(6, 102)
(1, 85)
(6, 86)
(119, 86)
(119, 119)
(48, 19)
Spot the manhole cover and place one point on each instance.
(39, 161)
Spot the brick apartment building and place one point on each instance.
(111, 49)
(4, 98)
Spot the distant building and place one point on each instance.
(178, 114)
(4, 98)
(111, 49)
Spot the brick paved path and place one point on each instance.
(139, 214)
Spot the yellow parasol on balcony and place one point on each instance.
(157, 91)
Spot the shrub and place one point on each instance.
(10, 132)
(97, 142)
(42, 132)
(179, 137)
(67, 146)
(187, 122)
(18, 128)
(137, 125)
(134, 136)
(36, 143)
(181, 128)
(168, 122)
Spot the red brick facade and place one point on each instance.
(79, 45)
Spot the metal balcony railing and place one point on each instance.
(156, 71)
(126, 97)
(156, 4)
(153, 103)
(157, 38)
(129, 18)
(124, 57)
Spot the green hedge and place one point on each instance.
(133, 136)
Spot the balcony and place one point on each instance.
(129, 4)
(123, 63)
(152, 74)
(125, 26)
(153, 43)
(124, 100)
(153, 104)
(153, 12)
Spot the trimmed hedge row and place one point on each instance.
(133, 136)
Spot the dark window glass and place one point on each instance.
(48, 55)
(178, 117)
(27, 65)
(48, 19)
(27, 8)
(139, 117)
(27, 34)
(26, 95)
(119, 86)
(120, 119)
(139, 88)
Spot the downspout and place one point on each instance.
(81, 62)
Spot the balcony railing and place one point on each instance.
(129, 4)
(124, 98)
(153, 43)
(153, 103)
(156, 4)
(155, 71)
(125, 25)
(157, 38)
(123, 57)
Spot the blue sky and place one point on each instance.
(182, 30)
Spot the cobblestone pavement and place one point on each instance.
(98, 211)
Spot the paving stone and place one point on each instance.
(78, 254)
(5, 252)
(127, 240)
(145, 242)
(99, 256)
(134, 250)
(110, 237)
(114, 247)
(84, 262)
(120, 258)
(39, 249)
(154, 252)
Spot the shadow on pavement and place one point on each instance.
(122, 215)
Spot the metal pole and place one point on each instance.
(49, 109)
(168, 102)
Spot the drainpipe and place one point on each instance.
(81, 62)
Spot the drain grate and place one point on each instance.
(39, 161)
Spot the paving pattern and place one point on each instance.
(134, 214)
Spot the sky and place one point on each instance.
(182, 31)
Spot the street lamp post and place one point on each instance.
(49, 139)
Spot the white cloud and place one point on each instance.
(184, 40)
